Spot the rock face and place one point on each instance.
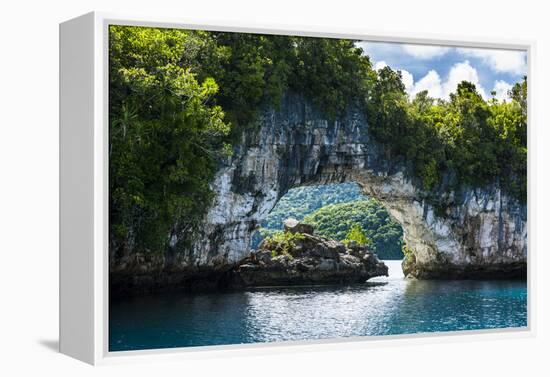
(481, 234)
(294, 226)
(307, 259)
(473, 233)
(477, 232)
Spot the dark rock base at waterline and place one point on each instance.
(216, 281)
(169, 281)
(448, 271)
(227, 279)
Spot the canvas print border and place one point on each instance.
(99, 23)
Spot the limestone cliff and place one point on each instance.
(477, 232)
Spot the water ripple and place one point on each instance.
(382, 307)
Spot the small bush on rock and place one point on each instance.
(281, 243)
(357, 234)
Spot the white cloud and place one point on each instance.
(462, 72)
(499, 61)
(425, 52)
(501, 89)
(437, 88)
(443, 76)
(406, 77)
(503, 61)
(379, 65)
(431, 82)
(408, 80)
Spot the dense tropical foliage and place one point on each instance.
(463, 141)
(357, 234)
(165, 132)
(280, 243)
(335, 210)
(301, 201)
(179, 98)
(353, 220)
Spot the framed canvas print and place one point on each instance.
(227, 187)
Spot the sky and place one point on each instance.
(439, 69)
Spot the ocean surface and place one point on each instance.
(383, 306)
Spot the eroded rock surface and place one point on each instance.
(294, 226)
(474, 232)
(307, 259)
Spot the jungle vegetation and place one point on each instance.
(179, 100)
(365, 221)
(341, 212)
(301, 201)
(357, 235)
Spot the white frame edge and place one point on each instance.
(76, 197)
(84, 190)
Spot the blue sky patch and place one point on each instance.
(439, 69)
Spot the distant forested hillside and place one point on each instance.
(333, 209)
(302, 201)
(384, 233)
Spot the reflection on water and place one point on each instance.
(381, 307)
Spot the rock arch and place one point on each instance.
(480, 232)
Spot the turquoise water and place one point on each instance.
(384, 306)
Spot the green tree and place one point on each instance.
(389, 120)
(177, 98)
(254, 74)
(448, 144)
(301, 201)
(518, 94)
(357, 234)
(333, 73)
(165, 136)
(335, 221)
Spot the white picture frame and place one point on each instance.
(84, 188)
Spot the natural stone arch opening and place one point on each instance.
(394, 192)
(332, 209)
(479, 232)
